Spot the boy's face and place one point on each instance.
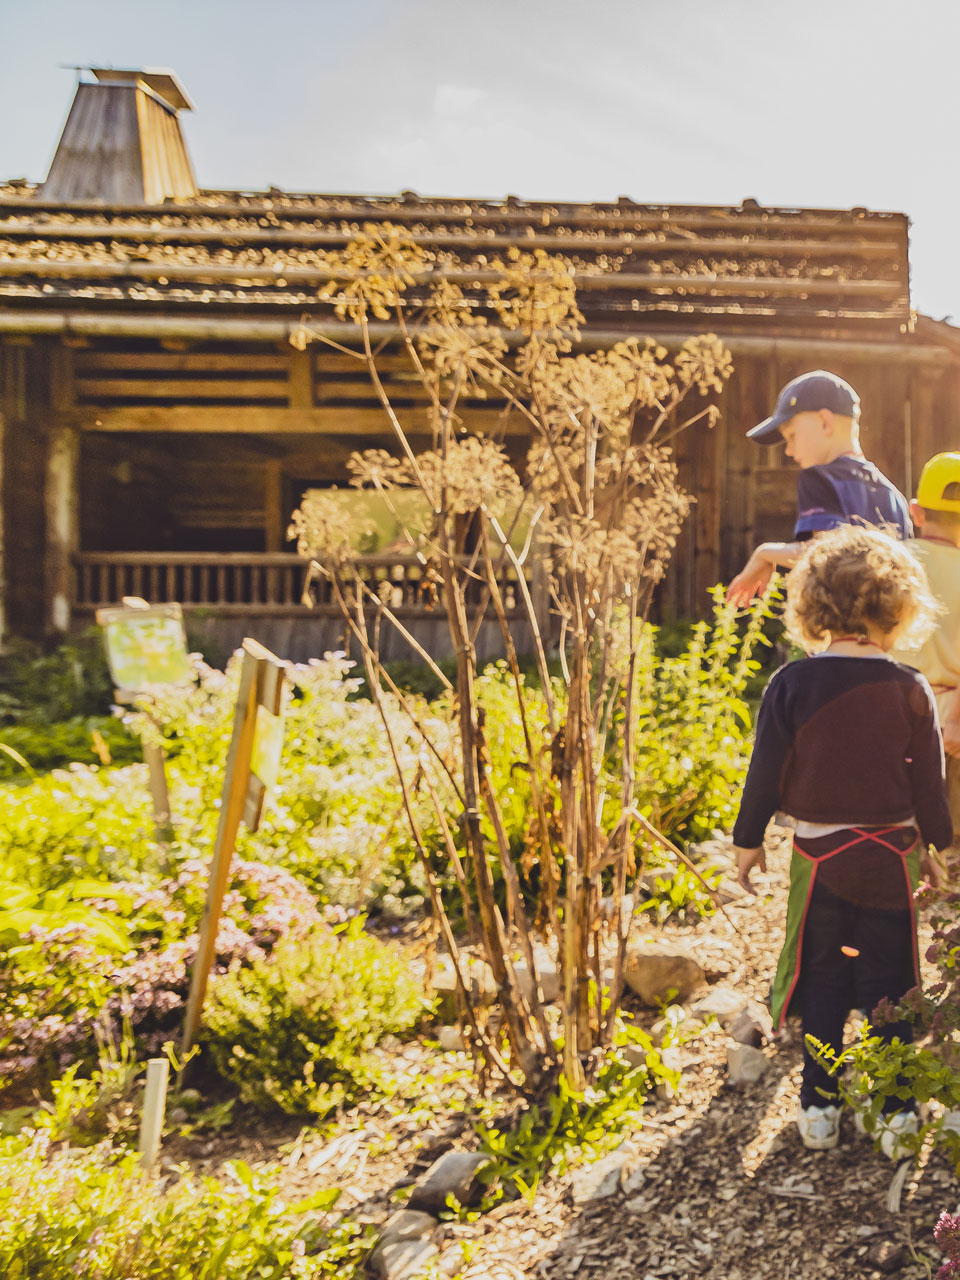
(809, 437)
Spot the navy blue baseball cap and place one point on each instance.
(811, 391)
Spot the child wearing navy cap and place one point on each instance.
(818, 418)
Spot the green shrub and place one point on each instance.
(51, 746)
(42, 686)
(88, 958)
(66, 1214)
(693, 723)
(295, 1029)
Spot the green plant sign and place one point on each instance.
(145, 646)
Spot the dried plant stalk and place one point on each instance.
(599, 487)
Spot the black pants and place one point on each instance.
(832, 983)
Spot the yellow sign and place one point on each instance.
(267, 747)
(145, 646)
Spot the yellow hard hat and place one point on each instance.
(937, 476)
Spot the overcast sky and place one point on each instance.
(827, 103)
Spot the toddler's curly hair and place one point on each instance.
(855, 578)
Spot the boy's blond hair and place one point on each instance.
(856, 578)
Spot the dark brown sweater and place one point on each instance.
(846, 740)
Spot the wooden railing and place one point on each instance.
(252, 583)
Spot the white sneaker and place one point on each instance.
(891, 1130)
(819, 1127)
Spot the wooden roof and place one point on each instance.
(736, 269)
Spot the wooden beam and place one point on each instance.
(214, 272)
(91, 360)
(182, 388)
(643, 242)
(60, 501)
(243, 419)
(624, 216)
(300, 380)
(62, 378)
(229, 328)
(274, 519)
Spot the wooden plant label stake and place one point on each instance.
(154, 1107)
(258, 714)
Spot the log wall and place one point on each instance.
(208, 448)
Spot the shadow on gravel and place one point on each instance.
(724, 1189)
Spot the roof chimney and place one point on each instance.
(122, 142)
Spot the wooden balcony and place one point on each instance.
(249, 584)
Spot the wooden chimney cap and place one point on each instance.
(160, 79)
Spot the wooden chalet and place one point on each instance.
(158, 426)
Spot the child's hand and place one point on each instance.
(751, 581)
(747, 859)
(931, 870)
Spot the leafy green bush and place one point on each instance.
(67, 1214)
(86, 740)
(693, 723)
(336, 802)
(92, 957)
(295, 1029)
(42, 686)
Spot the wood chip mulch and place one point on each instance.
(722, 1187)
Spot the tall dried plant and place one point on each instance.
(598, 499)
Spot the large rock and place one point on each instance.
(601, 1179)
(451, 1040)
(657, 972)
(406, 1226)
(546, 972)
(722, 1003)
(406, 1259)
(455, 1173)
(477, 975)
(752, 1025)
(745, 1065)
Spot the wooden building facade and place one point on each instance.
(158, 425)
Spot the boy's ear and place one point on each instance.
(917, 513)
(826, 419)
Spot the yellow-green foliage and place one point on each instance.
(295, 1029)
(79, 1215)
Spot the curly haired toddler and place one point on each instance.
(848, 746)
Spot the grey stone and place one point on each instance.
(745, 1064)
(451, 1261)
(546, 972)
(656, 974)
(455, 1173)
(722, 1003)
(405, 1226)
(450, 1039)
(477, 974)
(601, 1179)
(752, 1025)
(406, 1259)
(886, 1256)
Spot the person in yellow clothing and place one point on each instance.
(936, 518)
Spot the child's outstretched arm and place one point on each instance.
(761, 790)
